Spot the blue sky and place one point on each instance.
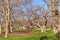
(39, 2)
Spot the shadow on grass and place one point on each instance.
(44, 38)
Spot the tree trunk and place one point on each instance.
(6, 31)
(43, 28)
(0, 29)
(10, 27)
(59, 20)
(55, 30)
(59, 16)
(7, 17)
(53, 13)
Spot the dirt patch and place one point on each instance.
(18, 33)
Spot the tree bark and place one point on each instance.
(53, 13)
(43, 28)
(6, 31)
(0, 29)
(7, 17)
(59, 16)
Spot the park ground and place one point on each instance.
(33, 35)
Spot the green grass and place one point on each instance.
(37, 35)
(18, 38)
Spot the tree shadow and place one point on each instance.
(44, 38)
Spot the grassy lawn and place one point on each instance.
(37, 35)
